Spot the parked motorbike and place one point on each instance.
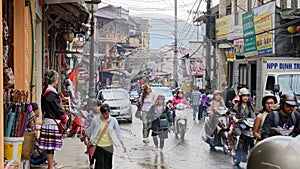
(181, 116)
(243, 142)
(77, 125)
(216, 128)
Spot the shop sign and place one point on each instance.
(229, 53)
(249, 34)
(222, 25)
(263, 17)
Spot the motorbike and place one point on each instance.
(243, 142)
(216, 129)
(77, 125)
(180, 120)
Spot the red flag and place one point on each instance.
(73, 76)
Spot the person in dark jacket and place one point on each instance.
(287, 118)
(228, 94)
(158, 121)
(50, 137)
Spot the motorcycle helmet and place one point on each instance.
(288, 99)
(275, 152)
(244, 91)
(268, 96)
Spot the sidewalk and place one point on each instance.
(71, 156)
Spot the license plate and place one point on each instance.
(114, 113)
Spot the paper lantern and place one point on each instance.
(298, 28)
(291, 29)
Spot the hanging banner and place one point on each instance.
(249, 34)
(239, 42)
(263, 17)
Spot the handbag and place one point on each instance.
(138, 114)
(92, 148)
(164, 124)
(61, 126)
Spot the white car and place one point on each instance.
(165, 91)
(119, 102)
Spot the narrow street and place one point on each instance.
(193, 153)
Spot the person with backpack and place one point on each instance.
(158, 121)
(285, 118)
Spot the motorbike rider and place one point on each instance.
(243, 110)
(176, 100)
(285, 118)
(214, 125)
(268, 103)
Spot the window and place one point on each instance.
(270, 83)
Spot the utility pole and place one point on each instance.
(175, 70)
(208, 47)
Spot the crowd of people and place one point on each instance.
(157, 118)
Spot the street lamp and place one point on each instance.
(92, 6)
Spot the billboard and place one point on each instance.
(264, 19)
(194, 67)
(222, 25)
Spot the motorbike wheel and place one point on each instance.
(181, 131)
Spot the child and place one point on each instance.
(32, 116)
(89, 118)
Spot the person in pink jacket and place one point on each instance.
(179, 98)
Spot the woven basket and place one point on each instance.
(28, 144)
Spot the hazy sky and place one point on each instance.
(162, 27)
(160, 6)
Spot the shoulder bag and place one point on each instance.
(92, 148)
(61, 126)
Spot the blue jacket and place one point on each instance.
(94, 128)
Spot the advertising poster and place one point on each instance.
(196, 67)
(249, 34)
(263, 23)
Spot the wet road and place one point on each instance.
(192, 153)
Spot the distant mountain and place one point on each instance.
(161, 29)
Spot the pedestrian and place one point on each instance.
(196, 100)
(103, 126)
(158, 118)
(203, 106)
(93, 114)
(268, 103)
(145, 102)
(284, 118)
(53, 113)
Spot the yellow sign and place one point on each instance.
(222, 27)
(262, 23)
